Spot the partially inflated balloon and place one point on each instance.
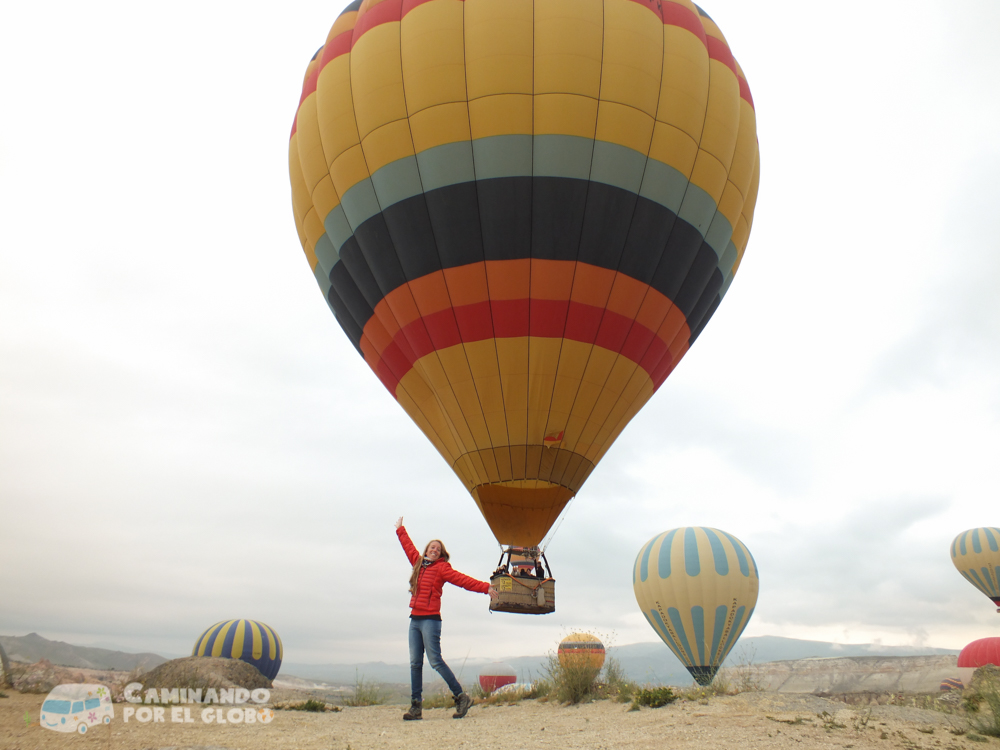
(697, 587)
(246, 640)
(522, 213)
(976, 554)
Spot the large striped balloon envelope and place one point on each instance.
(246, 640)
(976, 555)
(522, 213)
(697, 588)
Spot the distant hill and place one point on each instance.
(32, 647)
(642, 662)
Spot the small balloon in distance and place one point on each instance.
(581, 649)
(496, 675)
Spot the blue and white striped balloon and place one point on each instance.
(697, 587)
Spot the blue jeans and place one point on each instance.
(426, 635)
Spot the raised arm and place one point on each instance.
(411, 552)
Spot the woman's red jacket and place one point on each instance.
(430, 581)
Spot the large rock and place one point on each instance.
(857, 674)
(204, 672)
(42, 676)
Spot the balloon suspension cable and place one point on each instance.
(562, 517)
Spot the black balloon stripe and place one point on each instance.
(524, 217)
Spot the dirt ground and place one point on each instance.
(749, 720)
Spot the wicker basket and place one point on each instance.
(524, 595)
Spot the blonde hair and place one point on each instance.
(420, 563)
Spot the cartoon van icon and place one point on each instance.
(76, 708)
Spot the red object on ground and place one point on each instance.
(981, 652)
(496, 675)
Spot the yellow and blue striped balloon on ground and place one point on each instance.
(246, 640)
(976, 554)
(697, 588)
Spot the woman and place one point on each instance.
(430, 571)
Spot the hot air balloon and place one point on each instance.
(980, 653)
(496, 675)
(951, 683)
(522, 214)
(697, 588)
(581, 649)
(247, 640)
(976, 554)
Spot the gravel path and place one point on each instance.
(747, 721)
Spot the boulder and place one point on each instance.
(193, 672)
(42, 676)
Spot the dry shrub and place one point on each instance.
(745, 676)
(366, 692)
(440, 699)
(615, 684)
(573, 680)
(653, 697)
(982, 700)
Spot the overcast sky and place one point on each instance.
(187, 436)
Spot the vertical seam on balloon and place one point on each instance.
(219, 644)
(333, 290)
(239, 639)
(635, 204)
(737, 630)
(399, 386)
(576, 265)
(718, 628)
(742, 553)
(668, 351)
(698, 630)
(451, 306)
(718, 550)
(593, 344)
(531, 242)
(482, 234)
(308, 193)
(990, 538)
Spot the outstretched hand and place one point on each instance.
(494, 594)
(399, 522)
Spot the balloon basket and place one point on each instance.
(524, 582)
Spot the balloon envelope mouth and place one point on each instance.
(703, 675)
(521, 515)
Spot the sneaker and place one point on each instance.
(416, 711)
(462, 705)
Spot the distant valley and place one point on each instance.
(641, 662)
